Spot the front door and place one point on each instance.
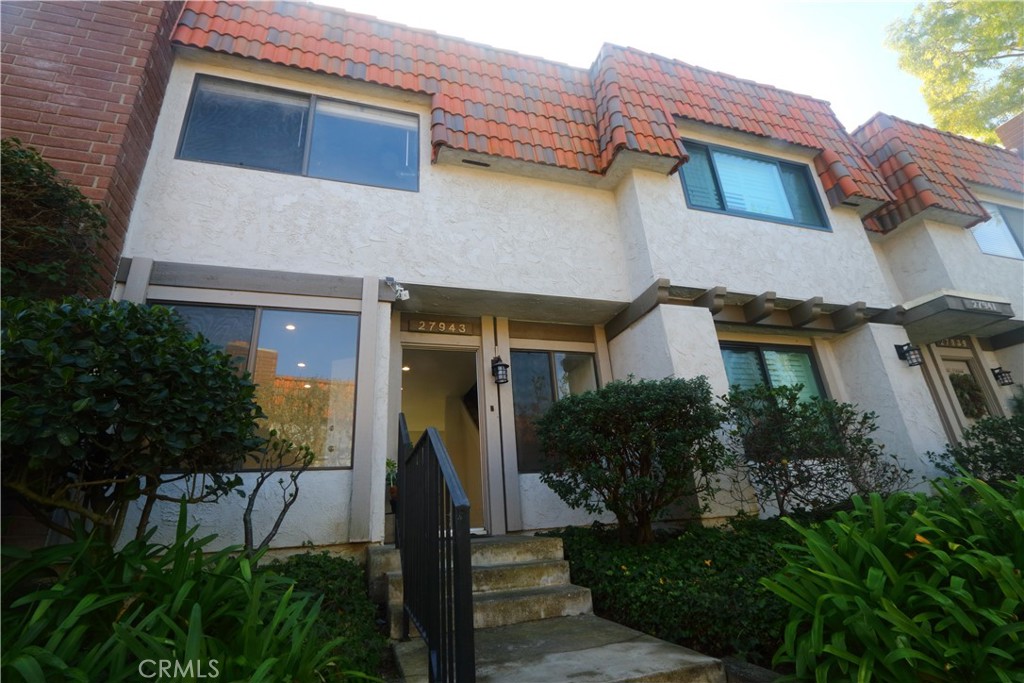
(439, 389)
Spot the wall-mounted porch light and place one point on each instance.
(1003, 377)
(910, 353)
(499, 369)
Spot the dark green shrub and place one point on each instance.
(806, 455)
(992, 449)
(346, 615)
(634, 448)
(909, 588)
(50, 229)
(103, 402)
(699, 589)
(82, 612)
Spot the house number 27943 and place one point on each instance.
(447, 327)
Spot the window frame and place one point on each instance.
(997, 211)
(251, 355)
(308, 125)
(763, 367)
(802, 168)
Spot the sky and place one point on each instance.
(833, 51)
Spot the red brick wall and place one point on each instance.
(82, 82)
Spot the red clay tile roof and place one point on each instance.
(505, 104)
(929, 169)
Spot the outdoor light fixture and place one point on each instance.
(909, 353)
(499, 369)
(1003, 377)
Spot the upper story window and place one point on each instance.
(747, 365)
(1003, 234)
(745, 184)
(242, 124)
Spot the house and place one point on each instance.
(373, 218)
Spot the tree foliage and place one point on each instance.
(806, 455)
(49, 228)
(970, 57)
(633, 448)
(104, 402)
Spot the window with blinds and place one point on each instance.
(747, 365)
(997, 235)
(744, 184)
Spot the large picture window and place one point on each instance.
(242, 124)
(539, 378)
(748, 365)
(1003, 233)
(303, 364)
(744, 184)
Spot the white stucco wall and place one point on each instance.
(320, 513)
(875, 379)
(465, 227)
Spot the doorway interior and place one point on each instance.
(439, 389)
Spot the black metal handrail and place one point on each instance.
(432, 532)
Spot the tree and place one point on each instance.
(633, 448)
(970, 57)
(50, 229)
(807, 455)
(105, 402)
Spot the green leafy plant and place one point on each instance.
(83, 612)
(806, 455)
(634, 448)
(105, 402)
(50, 230)
(347, 616)
(909, 588)
(990, 450)
(699, 587)
(968, 395)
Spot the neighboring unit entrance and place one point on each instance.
(440, 390)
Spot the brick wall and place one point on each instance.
(82, 82)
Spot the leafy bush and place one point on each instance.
(103, 402)
(806, 455)
(82, 612)
(699, 589)
(909, 588)
(634, 448)
(346, 615)
(990, 450)
(49, 228)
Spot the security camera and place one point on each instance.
(402, 294)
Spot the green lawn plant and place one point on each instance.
(80, 611)
(991, 449)
(909, 588)
(634, 448)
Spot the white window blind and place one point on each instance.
(994, 236)
(752, 185)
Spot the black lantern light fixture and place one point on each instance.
(910, 353)
(499, 369)
(1003, 377)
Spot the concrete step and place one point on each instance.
(502, 608)
(500, 577)
(582, 649)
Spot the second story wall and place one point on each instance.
(464, 227)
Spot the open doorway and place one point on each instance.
(439, 389)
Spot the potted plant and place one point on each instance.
(391, 472)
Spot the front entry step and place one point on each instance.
(582, 649)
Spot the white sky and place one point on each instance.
(832, 50)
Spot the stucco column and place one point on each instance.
(876, 379)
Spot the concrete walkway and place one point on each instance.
(576, 649)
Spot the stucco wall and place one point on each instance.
(876, 379)
(320, 513)
(465, 227)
